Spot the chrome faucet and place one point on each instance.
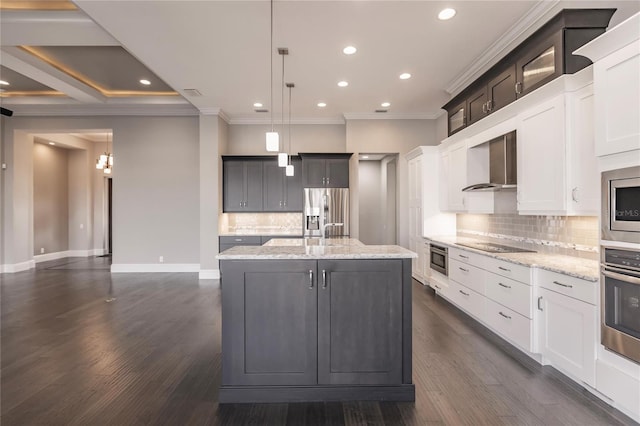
(325, 226)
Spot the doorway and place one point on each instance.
(109, 239)
(377, 197)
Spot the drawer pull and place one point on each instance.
(463, 270)
(466, 294)
(504, 315)
(310, 278)
(540, 304)
(324, 279)
(504, 285)
(437, 286)
(464, 257)
(238, 239)
(563, 285)
(504, 269)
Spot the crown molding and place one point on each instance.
(391, 116)
(239, 119)
(98, 110)
(517, 32)
(215, 111)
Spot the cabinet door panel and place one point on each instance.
(360, 322)
(337, 173)
(233, 192)
(273, 187)
(502, 89)
(457, 117)
(476, 105)
(254, 186)
(269, 321)
(457, 178)
(293, 189)
(540, 64)
(313, 170)
(568, 335)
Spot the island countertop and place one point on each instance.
(314, 248)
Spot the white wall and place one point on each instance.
(249, 139)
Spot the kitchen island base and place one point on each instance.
(316, 330)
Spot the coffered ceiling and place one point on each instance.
(88, 56)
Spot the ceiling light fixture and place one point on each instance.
(257, 105)
(385, 104)
(4, 83)
(105, 161)
(343, 83)
(272, 138)
(364, 157)
(447, 13)
(282, 156)
(288, 171)
(52, 143)
(349, 50)
(145, 82)
(322, 104)
(405, 76)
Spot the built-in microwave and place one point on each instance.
(439, 260)
(621, 205)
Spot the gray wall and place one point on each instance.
(249, 139)
(51, 199)
(370, 201)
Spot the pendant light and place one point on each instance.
(289, 169)
(282, 156)
(272, 138)
(105, 160)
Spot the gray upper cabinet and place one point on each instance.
(242, 186)
(325, 170)
(270, 323)
(282, 193)
(544, 56)
(359, 322)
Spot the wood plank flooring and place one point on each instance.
(152, 357)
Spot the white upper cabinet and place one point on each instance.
(557, 165)
(454, 163)
(616, 79)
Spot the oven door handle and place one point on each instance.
(622, 277)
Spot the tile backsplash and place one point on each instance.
(566, 235)
(256, 223)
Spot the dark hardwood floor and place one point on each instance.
(152, 356)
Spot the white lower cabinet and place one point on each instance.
(509, 324)
(567, 335)
(467, 299)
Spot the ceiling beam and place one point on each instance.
(32, 67)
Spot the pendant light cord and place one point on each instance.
(282, 94)
(271, 69)
(289, 150)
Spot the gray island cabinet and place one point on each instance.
(304, 323)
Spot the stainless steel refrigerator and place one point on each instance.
(323, 206)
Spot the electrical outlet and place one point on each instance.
(41, 250)
(161, 259)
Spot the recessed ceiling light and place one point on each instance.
(52, 143)
(405, 76)
(322, 104)
(257, 105)
(145, 82)
(343, 83)
(4, 83)
(365, 156)
(385, 104)
(349, 50)
(447, 13)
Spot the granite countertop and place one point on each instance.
(309, 248)
(577, 267)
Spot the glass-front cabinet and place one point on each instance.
(542, 64)
(457, 117)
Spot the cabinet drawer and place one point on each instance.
(509, 324)
(467, 257)
(586, 291)
(467, 299)
(510, 293)
(509, 270)
(239, 240)
(467, 275)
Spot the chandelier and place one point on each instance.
(105, 160)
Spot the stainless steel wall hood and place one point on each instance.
(503, 171)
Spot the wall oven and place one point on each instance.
(439, 260)
(621, 205)
(620, 283)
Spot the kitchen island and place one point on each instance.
(316, 320)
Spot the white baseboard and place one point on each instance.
(209, 274)
(69, 253)
(17, 267)
(155, 267)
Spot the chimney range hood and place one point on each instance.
(502, 165)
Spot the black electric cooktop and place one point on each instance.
(495, 248)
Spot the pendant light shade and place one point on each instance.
(283, 159)
(289, 170)
(105, 161)
(273, 142)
